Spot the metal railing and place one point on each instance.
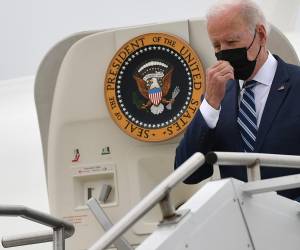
(160, 194)
(96, 209)
(253, 161)
(61, 229)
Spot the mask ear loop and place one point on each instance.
(252, 40)
(258, 53)
(251, 45)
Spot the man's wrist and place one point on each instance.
(210, 114)
(213, 103)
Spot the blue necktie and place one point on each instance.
(247, 117)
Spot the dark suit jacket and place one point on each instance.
(279, 130)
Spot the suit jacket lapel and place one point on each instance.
(278, 92)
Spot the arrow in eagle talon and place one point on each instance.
(174, 94)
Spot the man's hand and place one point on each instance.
(216, 80)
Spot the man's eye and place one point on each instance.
(231, 42)
(217, 47)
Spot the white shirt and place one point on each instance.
(264, 77)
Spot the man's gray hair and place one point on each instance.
(250, 12)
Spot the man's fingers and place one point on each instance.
(219, 72)
(220, 65)
(226, 77)
(225, 71)
(223, 67)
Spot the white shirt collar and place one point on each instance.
(266, 73)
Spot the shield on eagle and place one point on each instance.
(155, 95)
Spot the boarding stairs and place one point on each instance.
(223, 214)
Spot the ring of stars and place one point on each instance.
(119, 82)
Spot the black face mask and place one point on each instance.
(243, 68)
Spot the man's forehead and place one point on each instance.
(226, 29)
(230, 35)
(230, 19)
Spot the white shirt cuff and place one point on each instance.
(210, 115)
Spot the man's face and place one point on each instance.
(229, 31)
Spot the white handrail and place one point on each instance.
(253, 161)
(273, 184)
(155, 196)
(61, 229)
(27, 239)
(248, 159)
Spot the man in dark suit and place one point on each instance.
(252, 97)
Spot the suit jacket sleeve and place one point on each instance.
(197, 138)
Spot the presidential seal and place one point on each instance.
(153, 86)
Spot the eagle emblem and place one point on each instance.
(154, 79)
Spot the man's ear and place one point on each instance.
(262, 34)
